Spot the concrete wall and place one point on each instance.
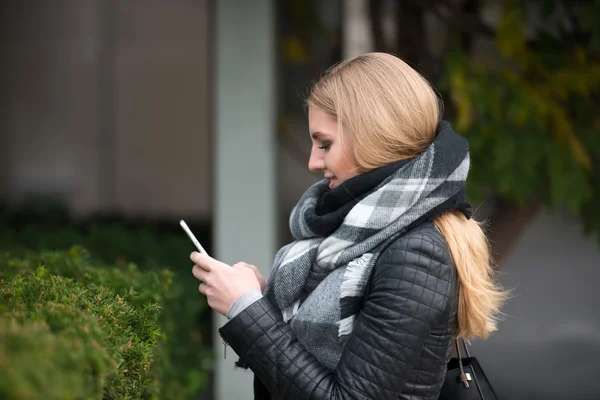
(105, 104)
(162, 125)
(49, 99)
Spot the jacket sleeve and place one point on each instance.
(410, 293)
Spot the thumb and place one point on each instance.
(205, 261)
(252, 267)
(242, 264)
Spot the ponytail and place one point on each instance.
(479, 296)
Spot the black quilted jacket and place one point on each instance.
(400, 344)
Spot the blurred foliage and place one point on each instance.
(183, 357)
(528, 103)
(531, 117)
(71, 329)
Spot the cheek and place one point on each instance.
(350, 167)
(339, 164)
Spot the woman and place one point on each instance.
(386, 268)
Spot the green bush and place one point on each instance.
(74, 330)
(34, 360)
(135, 286)
(183, 356)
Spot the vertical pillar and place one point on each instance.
(244, 154)
(357, 38)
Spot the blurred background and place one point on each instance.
(120, 117)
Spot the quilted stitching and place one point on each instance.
(400, 344)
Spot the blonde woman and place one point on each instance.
(387, 266)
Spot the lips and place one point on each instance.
(332, 180)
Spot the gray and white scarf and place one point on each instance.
(345, 258)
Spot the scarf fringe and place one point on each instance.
(354, 281)
(346, 325)
(289, 312)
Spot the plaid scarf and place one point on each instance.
(343, 260)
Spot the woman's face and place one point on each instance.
(328, 155)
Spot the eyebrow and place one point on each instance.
(317, 135)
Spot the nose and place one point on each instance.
(316, 162)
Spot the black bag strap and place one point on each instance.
(464, 343)
(464, 377)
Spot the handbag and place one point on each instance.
(465, 379)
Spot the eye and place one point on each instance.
(325, 146)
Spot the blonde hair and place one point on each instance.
(390, 112)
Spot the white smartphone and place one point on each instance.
(192, 237)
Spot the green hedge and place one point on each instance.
(42, 362)
(183, 357)
(73, 330)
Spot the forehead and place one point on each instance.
(320, 123)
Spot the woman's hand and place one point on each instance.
(260, 278)
(222, 284)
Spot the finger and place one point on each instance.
(202, 288)
(200, 273)
(239, 265)
(246, 265)
(205, 261)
